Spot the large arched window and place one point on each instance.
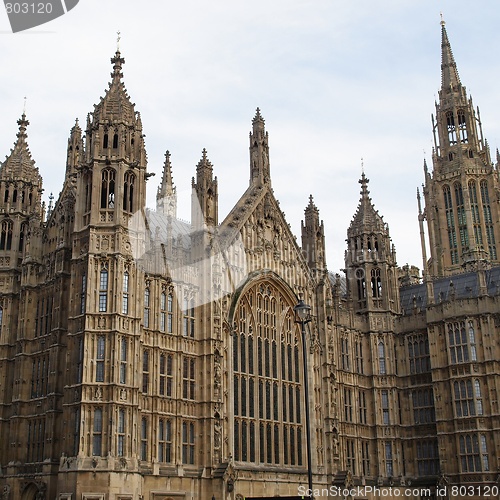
(268, 427)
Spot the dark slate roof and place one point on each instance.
(462, 285)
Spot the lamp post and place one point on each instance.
(303, 315)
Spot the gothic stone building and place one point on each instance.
(142, 357)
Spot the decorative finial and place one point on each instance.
(442, 20)
(362, 167)
(118, 38)
(24, 106)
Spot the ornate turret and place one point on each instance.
(205, 195)
(313, 237)
(259, 152)
(371, 258)
(20, 192)
(459, 191)
(75, 150)
(112, 178)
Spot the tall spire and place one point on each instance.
(450, 80)
(166, 197)
(259, 151)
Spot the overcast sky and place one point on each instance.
(336, 81)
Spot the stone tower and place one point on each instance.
(371, 259)
(104, 352)
(460, 193)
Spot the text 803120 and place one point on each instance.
(29, 8)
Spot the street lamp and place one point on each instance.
(303, 315)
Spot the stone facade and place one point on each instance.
(143, 357)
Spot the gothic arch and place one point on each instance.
(267, 374)
(31, 492)
(255, 277)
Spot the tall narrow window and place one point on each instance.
(490, 234)
(344, 343)
(348, 405)
(125, 293)
(484, 453)
(145, 371)
(6, 235)
(105, 141)
(359, 357)
(385, 408)
(1, 318)
(162, 378)
(170, 315)
(163, 305)
(350, 456)
(165, 441)
(381, 358)
(462, 219)
(147, 309)
(452, 132)
(87, 181)
(121, 433)
(388, 459)
(376, 283)
(450, 222)
(144, 439)
(97, 433)
(462, 126)
(83, 293)
(99, 367)
(108, 188)
(115, 141)
(187, 442)
(103, 288)
(188, 329)
(123, 361)
(476, 219)
(363, 411)
(22, 235)
(128, 191)
(365, 458)
(170, 375)
(478, 397)
(188, 378)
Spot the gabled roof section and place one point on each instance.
(116, 106)
(19, 164)
(366, 219)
